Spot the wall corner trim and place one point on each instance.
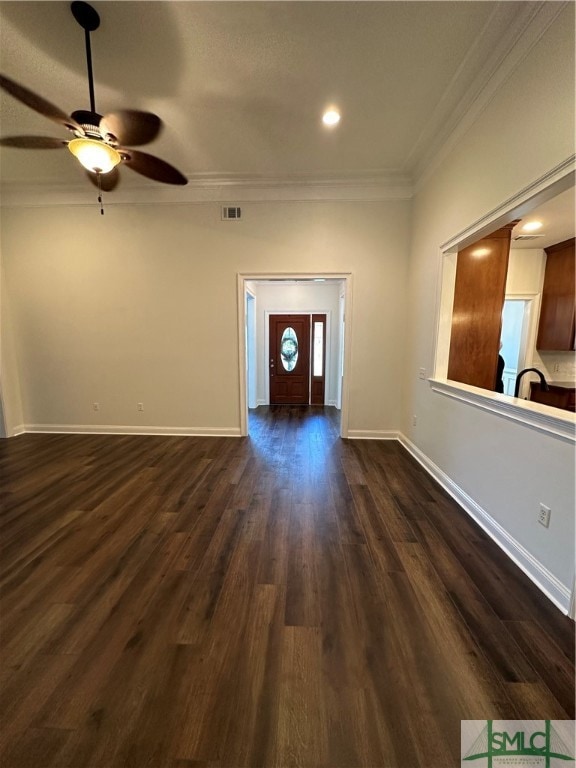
(558, 593)
(19, 430)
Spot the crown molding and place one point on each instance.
(209, 188)
(447, 130)
(555, 181)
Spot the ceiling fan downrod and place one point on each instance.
(89, 20)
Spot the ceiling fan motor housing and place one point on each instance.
(90, 122)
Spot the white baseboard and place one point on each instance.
(265, 402)
(113, 429)
(373, 434)
(544, 579)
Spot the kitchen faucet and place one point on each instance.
(543, 383)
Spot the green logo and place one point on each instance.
(519, 738)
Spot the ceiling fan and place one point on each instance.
(100, 141)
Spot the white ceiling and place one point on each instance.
(241, 85)
(557, 218)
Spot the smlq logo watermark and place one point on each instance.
(517, 743)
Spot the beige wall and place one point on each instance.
(11, 414)
(506, 468)
(525, 271)
(141, 306)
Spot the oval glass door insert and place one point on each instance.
(289, 349)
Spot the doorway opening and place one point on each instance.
(325, 298)
(517, 337)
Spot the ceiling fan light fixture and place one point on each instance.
(95, 155)
(331, 117)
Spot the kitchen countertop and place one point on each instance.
(562, 384)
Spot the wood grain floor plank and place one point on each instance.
(273, 560)
(302, 735)
(348, 521)
(37, 746)
(118, 729)
(477, 689)
(287, 599)
(246, 687)
(554, 668)
(28, 691)
(212, 718)
(302, 607)
(36, 633)
(104, 645)
(376, 535)
(535, 698)
(493, 637)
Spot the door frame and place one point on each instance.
(529, 334)
(251, 349)
(242, 279)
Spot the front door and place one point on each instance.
(289, 359)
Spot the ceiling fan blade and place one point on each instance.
(108, 181)
(38, 104)
(33, 142)
(152, 167)
(129, 126)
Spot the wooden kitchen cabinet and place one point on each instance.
(557, 315)
(560, 395)
(479, 294)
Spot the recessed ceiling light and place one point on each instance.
(331, 117)
(532, 226)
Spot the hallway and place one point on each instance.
(286, 599)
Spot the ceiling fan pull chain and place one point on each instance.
(99, 177)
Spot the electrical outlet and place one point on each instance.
(544, 515)
(95, 406)
(414, 420)
(422, 373)
(556, 368)
(140, 406)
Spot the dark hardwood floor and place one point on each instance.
(288, 599)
